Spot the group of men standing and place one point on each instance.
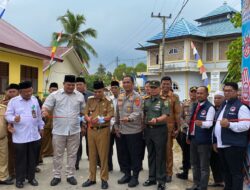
(132, 121)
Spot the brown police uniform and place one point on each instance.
(173, 121)
(4, 173)
(99, 135)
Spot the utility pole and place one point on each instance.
(117, 61)
(163, 19)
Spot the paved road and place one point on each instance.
(46, 175)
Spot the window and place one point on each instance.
(173, 51)
(4, 76)
(30, 74)
(175, 86)
(209, 51)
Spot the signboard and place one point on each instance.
(246, 51)
(215, 81)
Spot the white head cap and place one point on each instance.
(219, 93)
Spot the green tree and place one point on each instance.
(73, 36)
(101, 70)
(141, 67)
(122, 70)
(234, 53)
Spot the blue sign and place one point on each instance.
(246, 51)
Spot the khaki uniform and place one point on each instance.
(173, 120)
(99, 135)
(4, 174)
(47, 148)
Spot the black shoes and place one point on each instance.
(124, 179)
(72, 180)
(77, 167)
(19, 184)
(161, 187)
(33, 182)
(182, 175)
(88, 183)
(105, 185)
(55, 181)
(7, 182)
(168, 179)
(149, 183)
(133, 182)
(37, 170)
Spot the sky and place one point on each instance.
(120, 24)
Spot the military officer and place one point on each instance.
(4, 174)
(156, 109)
(98, 113)
(129, 129)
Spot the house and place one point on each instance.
(56, 71)
(21, 58)
(211, 36)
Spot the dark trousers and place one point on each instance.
(87, 146)
(118, 142)
(181, 139)
(216, 167)
(232, 159)
(200, 161)
(131, 145)
(111, 144)
(26, 160)
(79, 152)
(156, 140)
(39, 149)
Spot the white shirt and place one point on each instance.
(66, 109)
(237, 127)
(27, 130)
(114, 100)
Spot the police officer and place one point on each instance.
(186, 109)
(98, 113)
(4, 174)
(156, 110)
(129, 128)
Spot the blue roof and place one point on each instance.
(219, 11)
(220, 29)
(180, 28)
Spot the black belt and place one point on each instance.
(98, 127)
(155, 126)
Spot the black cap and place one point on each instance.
(155, 83)
(13, 86)
(115, 83)
(80, 79)
(53, 85)
(98, 85)
(25, 85)
(70, 78)
(193, 88)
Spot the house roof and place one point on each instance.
(181, 28)
(224, 9)
(147, 45)
(13, 39)
(212, 29)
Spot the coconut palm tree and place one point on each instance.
(73, 36)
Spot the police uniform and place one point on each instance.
(155, 136)
(173, 121)
(4, 174)
(130, 106)
(99, 135)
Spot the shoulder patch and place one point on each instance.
(145, 97)
(108, 98)
(163, 97)
(91, 97)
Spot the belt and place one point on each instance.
(155, 126)
(98, 127)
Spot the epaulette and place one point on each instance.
(145, 97)
(91, 97)
(163, 97)
(122, 94)
(108, 98)
(3, 106)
